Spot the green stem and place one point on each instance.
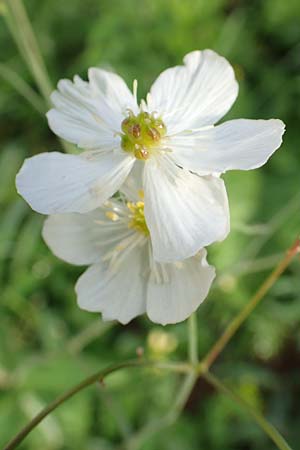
(157, 425)
(117, 412)
(268, 428)
(94, 330)
(11, 77)
(289, 208)
(182, 397)
(22, 32)
(191, 378)
(13, 29)
(240, 318)
(98, 376)
(193, 339)
(21, 29)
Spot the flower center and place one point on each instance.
(137, 217)
(141, 133)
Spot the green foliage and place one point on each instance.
(47, 344)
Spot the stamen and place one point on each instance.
(135, 86)
(122, 250)
(112, 216)
(149, 98)
(158, 272)
(130, 217)
(137, 217)
(141, 134)
(143, 105)
(164, 273)
(104, 240)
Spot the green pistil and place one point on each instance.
(141, 133)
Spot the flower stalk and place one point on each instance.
(240, 318)
(184, 392)
(98, 376)
(193, 337)
(266, 426)
(191, 368)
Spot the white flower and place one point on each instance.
(123, 280)
(173, 134)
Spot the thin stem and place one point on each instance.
(22, 32)
(98, 376)
(289, 207)
(238, 320)
(25, 39)
(11, 77)
(121, 419)
(157, 425)
(201, 369)
(94, 330)
(193, 338)
(150, 429)
(267, 427)
(245, 267)
(7, 15)
(182, 397)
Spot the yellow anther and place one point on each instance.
(137, 217)
(112, 216)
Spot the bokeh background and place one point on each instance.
(47, 344)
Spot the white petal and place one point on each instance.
(196, 94)
(184, 212)
(85, 130)
(80, 238)
(90, 114)
(118, 295)
(185, 286)
(57, 183)
(237, 144)
(116, 92)
(132, 186)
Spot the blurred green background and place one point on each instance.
(47, 344)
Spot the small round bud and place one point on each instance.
(161, 343)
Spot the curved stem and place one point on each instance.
(98, 376)
(193, 370)
(238, 320)
(267, 427)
